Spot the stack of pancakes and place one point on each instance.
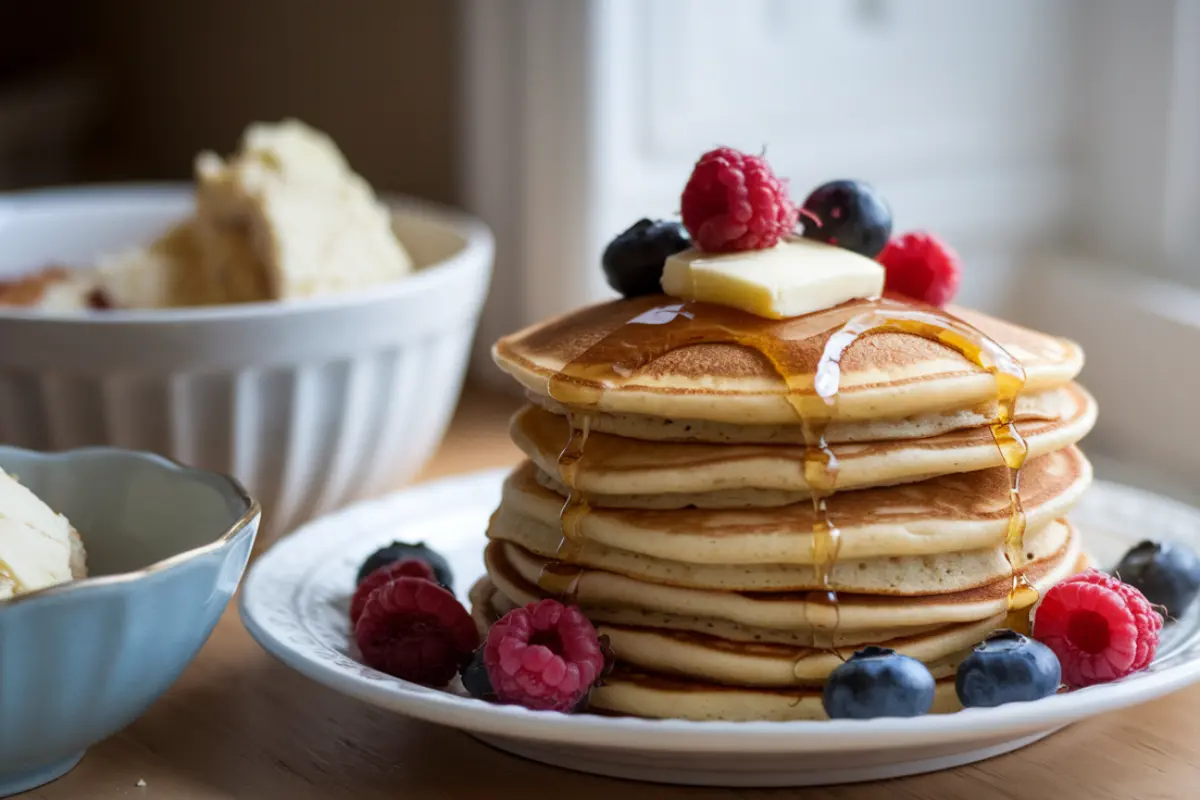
(693, 545)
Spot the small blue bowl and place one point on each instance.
(166, 548)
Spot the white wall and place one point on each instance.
(956, 111)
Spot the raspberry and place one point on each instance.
(1100, 629)
(545, 656)
(410, 567)
(414, 629)
(921, 266)
(733, 201)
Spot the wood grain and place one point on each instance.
(239, 724)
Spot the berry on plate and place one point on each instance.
(408, 567)
(878, 682)
(416, 630)
(397, 551)
(849, 214)
(1100, 629)
(733, 201)
(922, 267)
(1007, 668)
(544, 656)
(1167, 574)
(475, 678)
(633, 262)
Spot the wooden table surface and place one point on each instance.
(239, 724)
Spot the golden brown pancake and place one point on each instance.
(637, 692)
(705, 657)
(787, 618)
(941, 573)
(699, 656)
(618, 471)
(633, 692)
(948, 514)
(1046, 405)
(885, 375)
(695, 550)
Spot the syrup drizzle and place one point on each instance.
(576, 506)
(560, 577)
(981, 351)
(619, 357)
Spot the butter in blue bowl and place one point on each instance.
(114, 568)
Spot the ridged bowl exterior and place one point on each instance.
(82, 660)
(310, 404)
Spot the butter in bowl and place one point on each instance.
(86, 649)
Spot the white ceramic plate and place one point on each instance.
(295, 603)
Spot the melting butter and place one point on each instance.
(793, 278)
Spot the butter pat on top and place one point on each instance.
(793, 278)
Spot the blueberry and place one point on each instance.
(475, 678)
(877, 682)
(399, 550)
(633, 262)
(852, 215)
(1007, 668)
(1168, 574)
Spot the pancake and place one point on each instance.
(884, 375)
(781, 618)
(634, 692)
(693, 552)
(509, 595)
(898, 575)
(621, 472)
(710, 658)
(944, 515)
(1048, 404)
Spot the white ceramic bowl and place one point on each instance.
(310, 404)
(167, 546)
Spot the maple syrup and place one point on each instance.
(618, 357)
(560, 577)
(575, 507)
(984, 353)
